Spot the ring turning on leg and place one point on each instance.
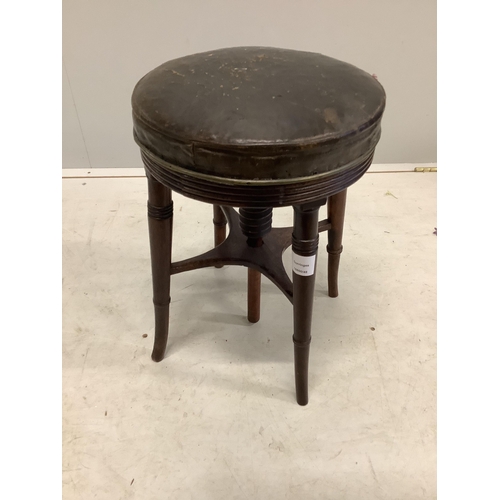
(336, 213)
(219, 227)
(160, 214)
(304, 250)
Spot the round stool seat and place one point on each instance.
(257, 126)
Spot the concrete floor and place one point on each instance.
(217, 418)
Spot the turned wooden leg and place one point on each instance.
(336, 212)
(160, 211)
(304, 249)
(254, 279)
(219, 228)
(255, 223)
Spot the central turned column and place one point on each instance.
(255, 223)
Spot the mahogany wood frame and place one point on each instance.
(244, 246)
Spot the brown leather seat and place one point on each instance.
(258, 114)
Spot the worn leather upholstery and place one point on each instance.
(258, 114)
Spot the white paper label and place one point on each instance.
(303, 266)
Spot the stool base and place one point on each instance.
(264, 258)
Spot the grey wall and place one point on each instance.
(109, 44)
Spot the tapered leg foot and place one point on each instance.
(301, 355)
(160, 212)
(161, 332)
(336, 213)
(333, 271)
(304, 250)
(219, 228)
(254, 280)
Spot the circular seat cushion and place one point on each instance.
(258, 114)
